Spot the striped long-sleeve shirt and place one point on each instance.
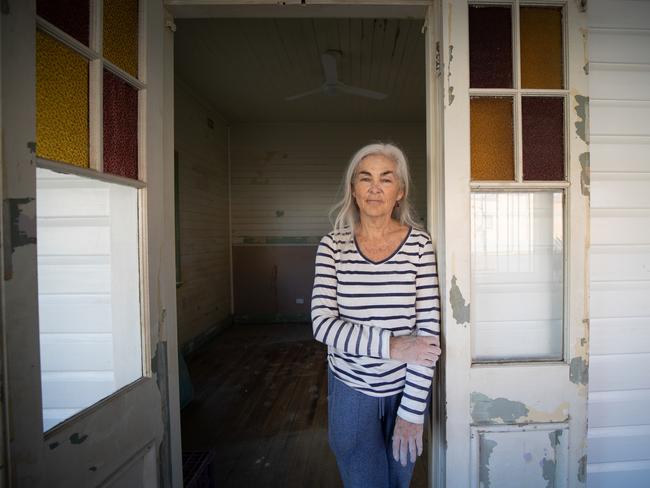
(358, 305)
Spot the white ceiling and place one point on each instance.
(246, 67)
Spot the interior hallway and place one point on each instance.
(260, 400)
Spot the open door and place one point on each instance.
(514, 240)
(88, 291)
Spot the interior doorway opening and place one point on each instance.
(262, 138)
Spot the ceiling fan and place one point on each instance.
(332, 86)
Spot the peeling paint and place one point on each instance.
(460, 309)
(579, 371)
(486, 409)
(484, 462)
(77, 439)
(22, 227)
(554, 437)
(582, 469)
(585, 173)
(582, 111)
(548, 471)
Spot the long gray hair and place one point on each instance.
(347, 211)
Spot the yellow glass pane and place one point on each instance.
(61, 102)
(491, 138)
(541, 47)
(121, 34)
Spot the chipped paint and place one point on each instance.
(484, 463)
(32, 147)
(548, 471)
(22, 227)
(579, 371)
(53, 445)
(582, 469)
(460, 309)
(585, 174)
(500, 410)
(582, 111)
(77, 439)
(92, 468)
(554, 437)
(585, 68)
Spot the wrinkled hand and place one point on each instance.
(407, 439)
(421, 350)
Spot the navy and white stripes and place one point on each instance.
(358, 304)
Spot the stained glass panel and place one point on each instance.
(542, 120)
(121, 34)
(491, 138)
(541, 47)
(490, 47)
(120, 127)
(71, 16)
(61, 102)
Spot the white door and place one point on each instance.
(88, 290)
(513, 243)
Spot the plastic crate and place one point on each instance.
(198, 469)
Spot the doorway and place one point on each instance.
(257, 175)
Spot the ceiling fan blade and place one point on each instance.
(363, 92)
(328, 60)
(300, 95)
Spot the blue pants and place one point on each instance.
(360, 434)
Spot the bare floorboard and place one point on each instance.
(260, 401)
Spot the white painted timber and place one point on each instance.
(619, 385)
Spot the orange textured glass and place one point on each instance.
(61, 102)
(491, 138)
(121, 34)
(541, 47)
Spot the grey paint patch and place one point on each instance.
(22, 227)
(486, 409)
(582, 469)
(548, 471)
(582, 111)
(77, 439)
(579, 371)
(53, 445)
(451, 95)
(554, 437)
(585, 174)
(484, 462)
(460, 309)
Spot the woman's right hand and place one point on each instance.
(421, 350)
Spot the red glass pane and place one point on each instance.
(542, 121)
(71, 16)
(490, 47)
(120, 127)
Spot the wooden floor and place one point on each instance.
(261, 402)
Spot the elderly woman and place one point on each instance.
(375, 304)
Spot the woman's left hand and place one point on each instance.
(407, 439)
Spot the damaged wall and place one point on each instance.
(619, 385)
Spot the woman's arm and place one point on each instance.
(427, 310)
(328, 328)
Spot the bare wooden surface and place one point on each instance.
(261, 402)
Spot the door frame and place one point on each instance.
(430, 11)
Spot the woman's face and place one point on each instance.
(376, 187)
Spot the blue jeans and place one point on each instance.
(361, 437)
